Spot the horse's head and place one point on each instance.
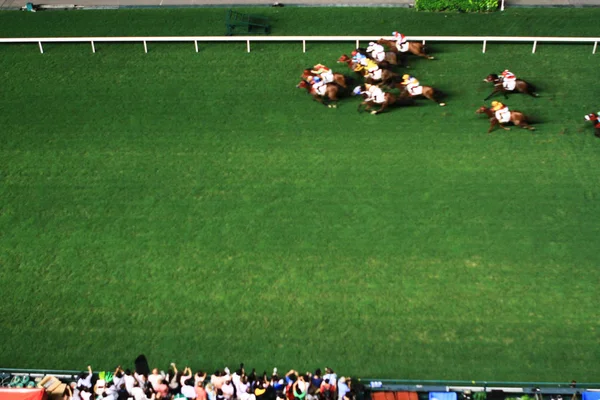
(306, 73)
(482, 110)
(492, 78)
(344, 59)
(591, 117)
(303, 84)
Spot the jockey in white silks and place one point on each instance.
(374, 72)
(377, 51)
(509, 80)
(412, 85)
(374, 94)
(502, 113)
(318, 85)
(401, 42)
(323, 72)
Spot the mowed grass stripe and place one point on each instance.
(247, 223)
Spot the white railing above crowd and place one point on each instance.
(302, 39)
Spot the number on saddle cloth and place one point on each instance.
(509, 84)
(503, 116)
(403, 48)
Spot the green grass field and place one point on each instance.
(199, 208)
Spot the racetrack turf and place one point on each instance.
(199, 208)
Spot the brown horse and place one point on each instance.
(520, 87)
(337, 78)
(329, 99)
(428, 92)
(387, 76)
(356, 67)
(390, 100)
(416, 48)
(516, 117)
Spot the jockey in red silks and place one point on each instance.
(509, 80)
(401, 42)
(595, 119)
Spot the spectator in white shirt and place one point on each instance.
(342, 388)
(188, 389)
(85, 380)
(154, 377)
(129, 381)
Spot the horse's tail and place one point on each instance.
(532, 89)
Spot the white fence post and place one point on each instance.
(484, 44)
(595, 47)
(502, 6)
(41, 48)
(303, 45)
(534, 46)
(145, 47)
(196, 45)
(357, 43)
(248, 45)
(93, 47)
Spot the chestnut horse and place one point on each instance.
(428, 92)
(329, 99)
(390, 100)
(337, 78)
(520, 87)
(516, 117)
(416, 48)
(361, 70)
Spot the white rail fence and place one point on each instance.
(303, 39)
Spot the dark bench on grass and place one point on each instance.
(247, 22)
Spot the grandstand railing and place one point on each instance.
(303, 40)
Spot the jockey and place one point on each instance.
(595, 119)
(412, 84)
(374, 72)
(377, 51)
(325, 73)
(374, 94)
(401, 42)
(502, 113)
(318, 84)
(509, 80)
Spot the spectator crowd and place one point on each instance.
(221, 385)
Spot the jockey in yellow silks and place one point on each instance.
(501, 111)
(325, 73)
(401, 42)
(377, 51)
(509, 80)
(374, 94)
(412, 85)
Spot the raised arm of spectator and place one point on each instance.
(187, 374)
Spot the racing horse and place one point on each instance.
(520, 87)
(362, 71)
(328, 96)
(416, 48)
(368, 105)
(426, 91)
(337, 78)
(516, 117)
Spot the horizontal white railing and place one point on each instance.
(302, 39)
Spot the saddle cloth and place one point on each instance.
(509, 85)
(403, 47)
(415, 90)
(503, 116)
(321, 90)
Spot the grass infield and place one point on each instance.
(199, 208)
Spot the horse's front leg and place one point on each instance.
(496, 90)
(493, 122)
(360, 106)
(381, 109)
